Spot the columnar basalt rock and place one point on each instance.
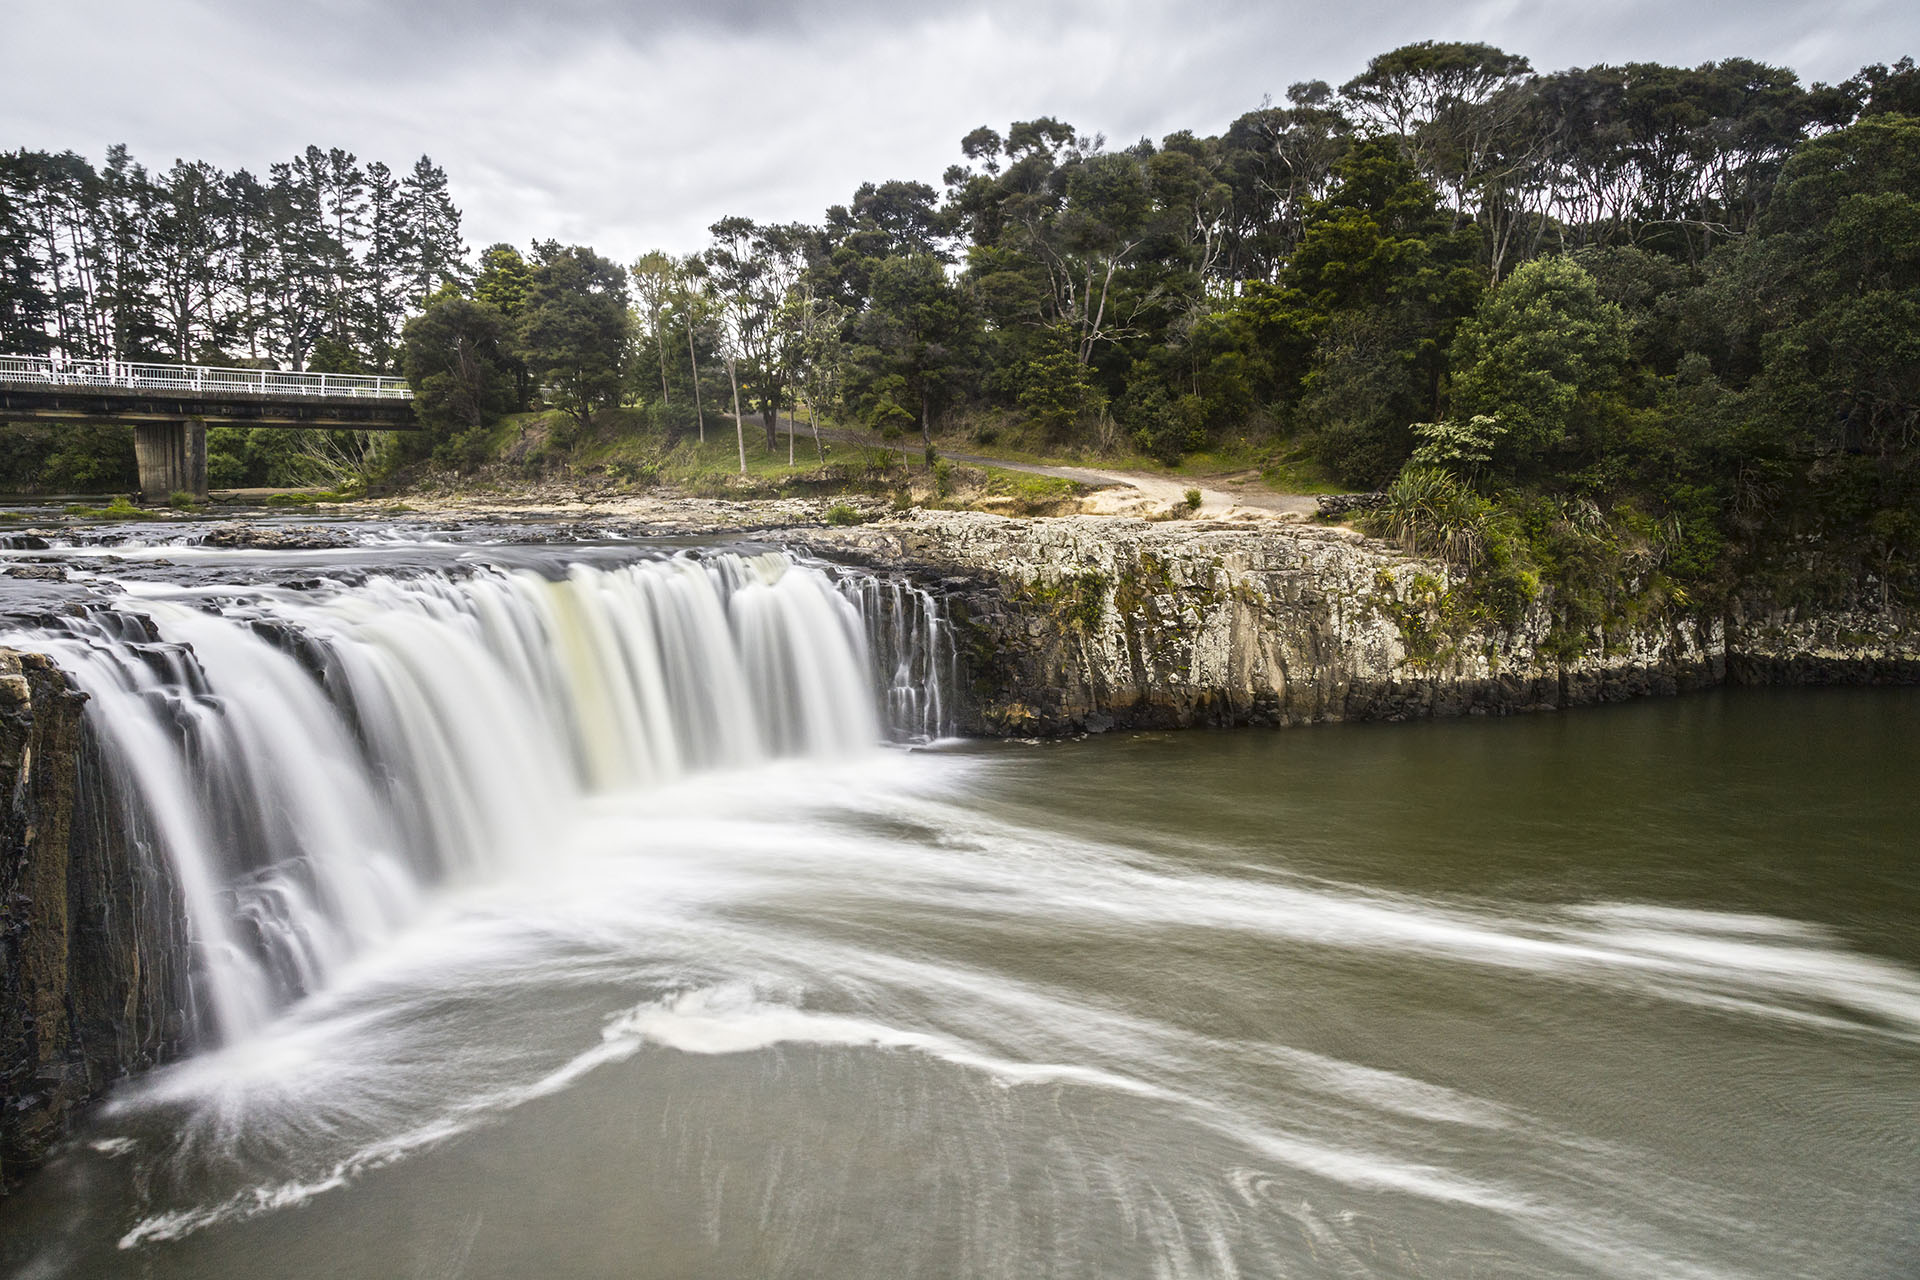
(1086, 623)
(91, 940)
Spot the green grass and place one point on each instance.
(1028, 487)
(121, 508)
(623, 451)
(1300, 475)
(309, 497)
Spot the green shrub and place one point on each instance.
(841, 513)
(1428, 512)
(1165, 428)
(1193, 499)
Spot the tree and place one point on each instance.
(343, 206)
(24, 305)
(736, 275)
(1380, 279)
(1539, 358)
(383, 301)
(696, 312)
(1277, 161)
(247, 241)
(755, 270)
(430, 243)
(1055, 390)
(185, 258)
(1884, 90)
(918, 333)
(504, 282)
(573, 333)
(1841, 280)
(454, 357)
(126, 241)
(302, 254)
(822, 352)
(654, 277)
(1449, 103)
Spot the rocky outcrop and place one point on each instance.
(236, 535)
(1088, 623)
(90, 935)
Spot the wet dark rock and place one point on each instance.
(92, 943)
(1338, 506)
(268, 537)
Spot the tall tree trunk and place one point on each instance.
(770, 420)
(739, 423)
(660, 344)
(693, 356)
(926, 423)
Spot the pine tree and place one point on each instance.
(124, 250)
(186, 260)
(25, 307)
(432, 248)
(383, 289)
(247, 245)
(343, 205)
(300, 276)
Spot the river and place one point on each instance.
(756, 975)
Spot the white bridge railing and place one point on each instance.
(41, 371)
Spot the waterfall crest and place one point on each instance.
(310, 763)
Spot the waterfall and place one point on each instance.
(311, 763)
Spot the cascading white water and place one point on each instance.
(309, 762)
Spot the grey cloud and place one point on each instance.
(628, 125)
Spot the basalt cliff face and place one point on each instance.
(1090, 623)
(90, 935)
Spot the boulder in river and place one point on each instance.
(270, 537)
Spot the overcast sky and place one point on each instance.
(630, 125)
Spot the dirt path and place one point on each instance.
(1219, 494)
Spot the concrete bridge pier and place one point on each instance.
(172, 458)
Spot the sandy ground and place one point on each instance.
(1134, 493)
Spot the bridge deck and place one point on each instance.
(124, 375)
(36, 388)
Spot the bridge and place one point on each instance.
(169, 406)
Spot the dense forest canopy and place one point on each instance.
(1613, 322)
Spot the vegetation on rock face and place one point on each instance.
(1614, 324)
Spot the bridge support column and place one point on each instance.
(172, 458)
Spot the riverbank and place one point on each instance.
(1087, 623)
